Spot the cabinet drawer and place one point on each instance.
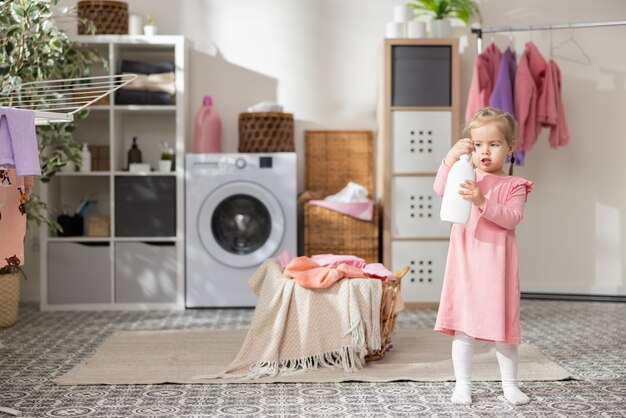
(145, 272)
(79, 273)
(415, 209)
(427, 262)
(421, 140)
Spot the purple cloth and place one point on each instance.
(502, 94)
(18, 141)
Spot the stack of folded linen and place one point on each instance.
(155, 84)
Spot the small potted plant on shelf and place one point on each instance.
(442, 10)
(167, 156)
(149, 28)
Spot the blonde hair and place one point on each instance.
(504, 121)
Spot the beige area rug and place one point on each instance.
(177, 356)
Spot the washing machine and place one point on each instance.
(240, 211)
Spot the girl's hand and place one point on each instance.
(470, 191)
(462, 146)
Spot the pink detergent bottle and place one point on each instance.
(208, 129)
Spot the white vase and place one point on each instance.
(149, 30)
(440, 28)
(165, 166)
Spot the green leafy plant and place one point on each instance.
(33, 48)
(149, 20)
(463, 10)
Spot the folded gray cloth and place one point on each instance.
(129, 66)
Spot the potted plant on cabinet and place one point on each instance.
(442, 10)
(34, 48)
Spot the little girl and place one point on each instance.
(480, 297)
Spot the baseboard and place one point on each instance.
(574, 296)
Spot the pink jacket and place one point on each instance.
(486, 66)
(550, 111)
(528, 85)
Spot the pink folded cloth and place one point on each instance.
(311, 275)
(378, 271)
(333, 260)
(359, 210)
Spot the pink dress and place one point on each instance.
(480, 294)
(13, 195)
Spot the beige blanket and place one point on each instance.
(295, 329)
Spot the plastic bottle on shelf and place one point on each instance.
(208, 129)
(85, 164)
(454, 208)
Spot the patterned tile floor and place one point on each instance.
(587, 338)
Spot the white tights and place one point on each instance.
(462, 354)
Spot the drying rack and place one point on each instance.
(56, 101)
(529, 28)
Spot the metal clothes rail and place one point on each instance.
(526, 28)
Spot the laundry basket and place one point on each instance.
(9, 298)
(332, 159)
(389, 308)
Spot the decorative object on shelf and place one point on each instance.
(207, 135)
(416, 29)
(166, 163)
(109, 17)
(135, 24)
(134, 154)
(402, 14)
(149, 28)
(266, 132)
(85, 159)
(98, 226)
(442, 10)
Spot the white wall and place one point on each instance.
(319, 59)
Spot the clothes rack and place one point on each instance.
(56, 101)
(550, 26)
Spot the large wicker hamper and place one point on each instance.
(332, 159)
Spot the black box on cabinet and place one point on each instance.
(145, 206)
(421, 75)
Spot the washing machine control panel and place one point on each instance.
(240, 163)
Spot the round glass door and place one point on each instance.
(241, 224)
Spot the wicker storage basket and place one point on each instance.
(98, 226)
(9, 298)
(333, 158)
(266, 132)
(109, 17)
(388, 311)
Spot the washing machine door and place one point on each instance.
(241, 224)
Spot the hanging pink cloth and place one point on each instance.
(486, 66)
(528, 84)
(550, 112)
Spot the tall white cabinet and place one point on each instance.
(138, 261)
(419, 116)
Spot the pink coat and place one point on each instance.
(550, 112)
(481, 294)
(528, 85)
(486, 66)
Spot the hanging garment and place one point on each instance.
(528, 84)
(13, 197)
(502, 96)
(550, 111)
(486, 67)
(18, 141)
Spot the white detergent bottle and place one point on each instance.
(453, 207)
(85, 164)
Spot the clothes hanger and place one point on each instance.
(570, 50)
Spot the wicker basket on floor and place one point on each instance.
(332, 159)
(388, 309)
(9, 298)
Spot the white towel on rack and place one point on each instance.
(18, 141)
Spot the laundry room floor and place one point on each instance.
(587, 338)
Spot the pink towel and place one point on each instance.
(18, 141)
(311, 275)
(359, 210)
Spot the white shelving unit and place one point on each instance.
(420, 121)
(123, 270)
